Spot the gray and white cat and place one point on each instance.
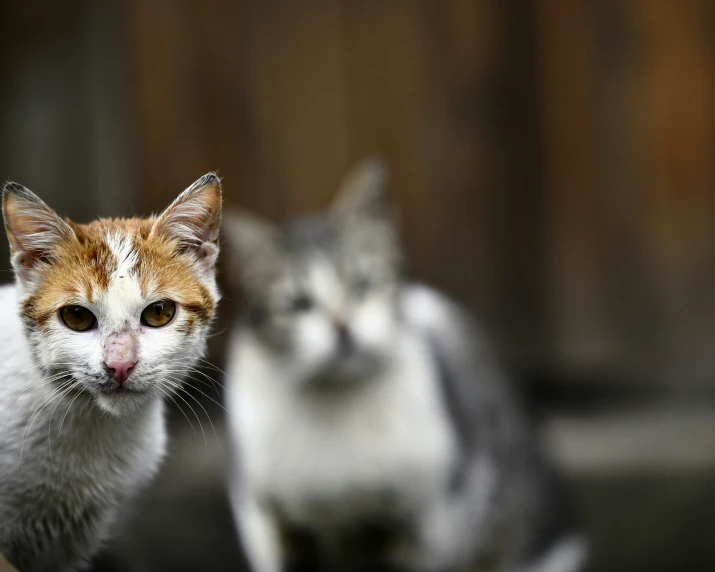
(372, 429)
(104, 321)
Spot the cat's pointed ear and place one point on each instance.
(364, 194)
(193, 220)
(33, 229)
(254, 244)
(364, 213)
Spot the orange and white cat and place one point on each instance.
(104, 321)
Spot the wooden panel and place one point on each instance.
(672, 111)
(628, 123)
(62, 107)
(573, 210)
(297, 100)
(190, 67)
(384, 63)
(551, 160)
(432, 87)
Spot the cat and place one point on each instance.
(371, 428)
(103, 322)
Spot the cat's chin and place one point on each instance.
(122, 401)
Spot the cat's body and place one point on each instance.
(332, 459)
(81, 427)
(62, 492)
(405, 451)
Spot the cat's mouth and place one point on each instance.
(349, 370)
(121, 399)
(121, 390)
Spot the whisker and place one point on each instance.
(171, 398)
(178, 387)
(178, 381)
(38, 384)
(208, 363)
(35, 367)
(209, 381)
(67, 411)
(49, 423)
(219, 333)
(196, 370)
(207, 376)
(195, 415)
(45, 402)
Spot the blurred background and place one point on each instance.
(553, 164)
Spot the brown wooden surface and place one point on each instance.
(304, 90)
(552, 161)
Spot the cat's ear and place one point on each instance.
(255, 245)
(193, 220)
(364, 214)
(33, 229)
(364, 194)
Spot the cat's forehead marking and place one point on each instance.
(324, 278)
(122, 247)
(123, 297)
(321, 278)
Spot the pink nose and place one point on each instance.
(120, 370)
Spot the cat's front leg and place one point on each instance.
(259, 535)
(273, 545)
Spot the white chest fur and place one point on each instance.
(332, 456)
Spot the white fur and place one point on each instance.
(124, 252)
(72, 451)
(313, 336)
(162, 351)
(95, 462)
(567, 556)
(300, 452)
(323, 460)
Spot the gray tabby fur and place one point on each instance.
(377, 406)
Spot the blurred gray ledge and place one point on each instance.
(642, 481)
(659, 439)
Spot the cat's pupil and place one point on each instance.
(158, 314)
(77, 318)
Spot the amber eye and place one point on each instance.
(77, 318)
(158, 314)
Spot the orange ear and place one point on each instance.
(32, 227)
(194, 218)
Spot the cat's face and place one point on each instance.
(323, 290)
(122, 306)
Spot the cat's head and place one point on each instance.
(322, 290)
(121, 307)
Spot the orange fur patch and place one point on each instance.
(82, 266)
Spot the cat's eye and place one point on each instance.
(77, 318)
(158, 314)
(301, 303)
